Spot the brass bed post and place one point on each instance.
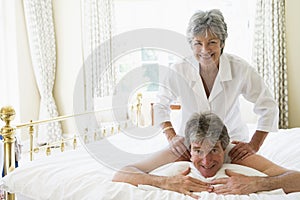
(31, 131)
(138, 108)
(152, 114)
(7, 114)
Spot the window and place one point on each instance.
(174, 15)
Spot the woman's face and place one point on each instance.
(207, 49)
(207, 159)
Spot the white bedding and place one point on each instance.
(173, 169)
(78, 175)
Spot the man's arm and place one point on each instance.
(278, 177)
(138, 174)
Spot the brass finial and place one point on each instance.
(48, 150)
(139, 95)
(112, 130)
(74, 142)
(138, 107)
(62, 145)
(7, 114)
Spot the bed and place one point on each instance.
(86, 172)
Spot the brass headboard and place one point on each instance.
(7, 115)
(172, 107)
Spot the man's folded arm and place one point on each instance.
(277, 176)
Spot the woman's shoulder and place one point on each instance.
(237, 60)
(236, 63)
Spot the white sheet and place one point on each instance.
(80, 176)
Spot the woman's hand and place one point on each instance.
(186, 184)
(235, 184)
(241, 150)
(176, 142)
(178, 147)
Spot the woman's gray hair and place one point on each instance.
(203, 21)
(206, 127)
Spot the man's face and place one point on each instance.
(208, 159)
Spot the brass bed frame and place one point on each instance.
(7, 115)
(8, 131)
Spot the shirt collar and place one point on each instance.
(225, 68)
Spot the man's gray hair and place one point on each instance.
(203, 21)
(206, 127)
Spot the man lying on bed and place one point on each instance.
(208, 141)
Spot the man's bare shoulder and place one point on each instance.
(261, 164)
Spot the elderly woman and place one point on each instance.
(213, 81)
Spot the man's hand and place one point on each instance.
(186, 184)
(178, 148)
(241, 150)
(235, 184)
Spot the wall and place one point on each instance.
(29, 95)
(69, 60)
(69, 56)
(293, 44)
(67, 17)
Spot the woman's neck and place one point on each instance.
(208, 75)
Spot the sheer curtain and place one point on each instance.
(97, 26)
(39, 21)
(8, 56)
(9, 85)
(269, 54)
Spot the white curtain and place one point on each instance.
(97, 26)
(8, 56)
(269, 54)
(40, 28)
(8, 65)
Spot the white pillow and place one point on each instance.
(171, 169)
(176, 168)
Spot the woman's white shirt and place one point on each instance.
(235, 77)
